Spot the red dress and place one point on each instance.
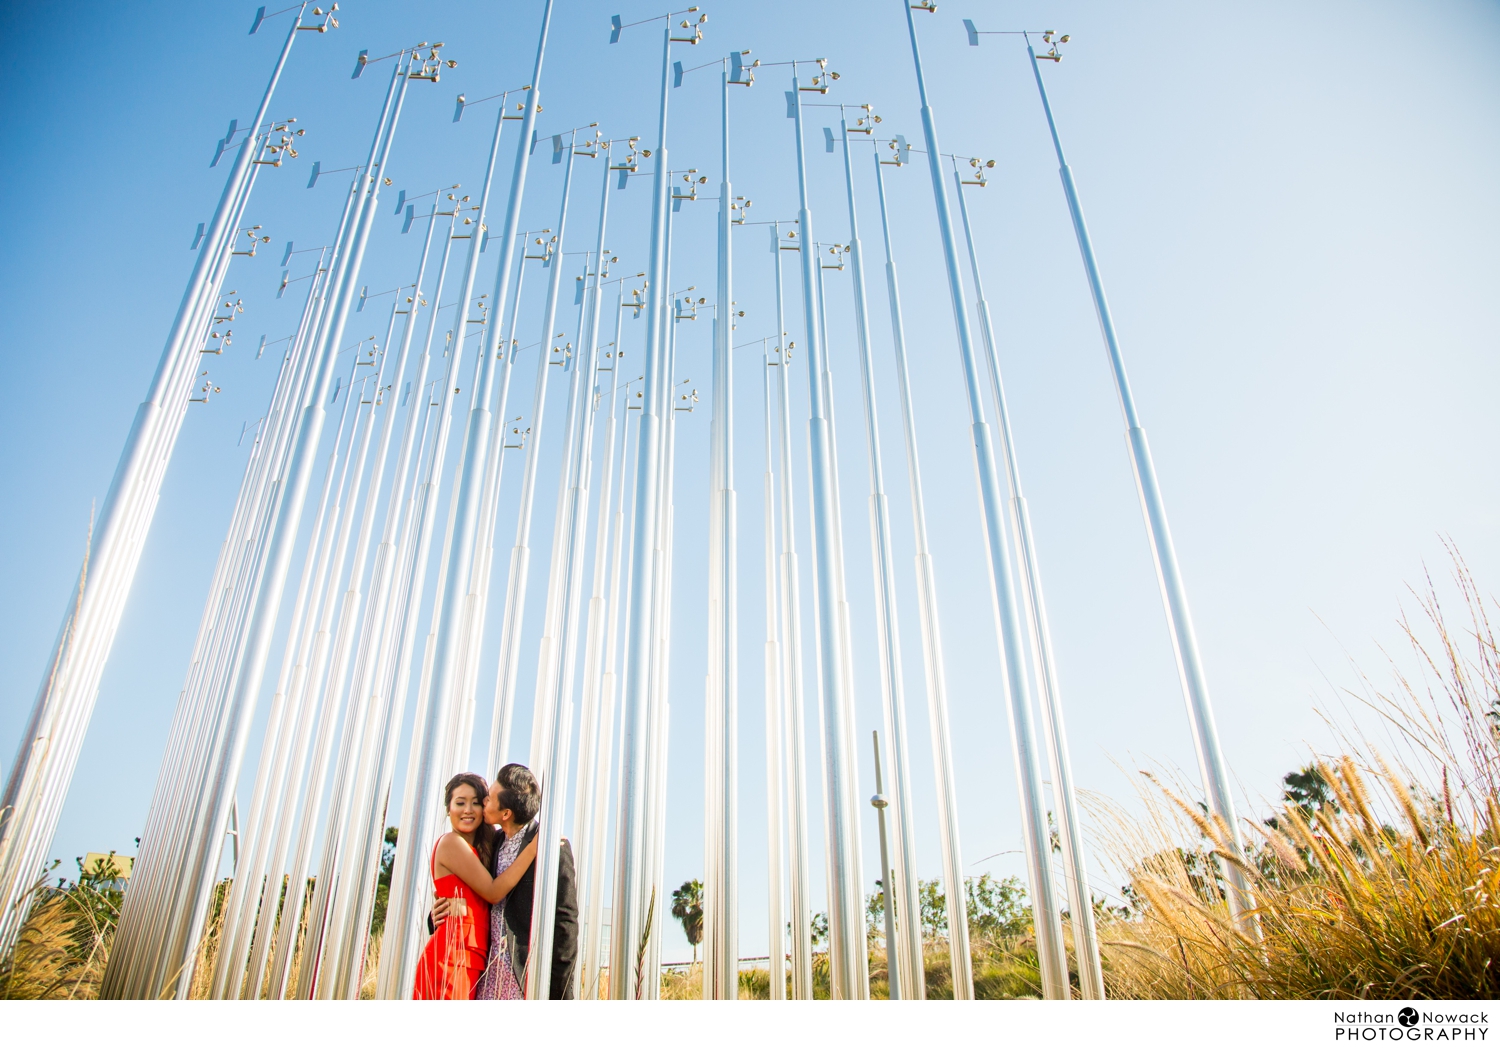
(455, 955)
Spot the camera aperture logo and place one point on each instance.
(1410, 1025)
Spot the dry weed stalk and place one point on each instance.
(1391, 889)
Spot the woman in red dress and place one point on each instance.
(455, 954)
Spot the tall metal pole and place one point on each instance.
(636, 893)
(846, 926)
(721, 832)
(774, 807)
(903, 891)
(151, 884)
(597, 715)
(932, 642)
(1051, 954)
(609, 679)
(365, 699)
(356, 887)
(1070, 833)
(793, 701)
(1168, 574)
(420, 816)
(49, 746)
(555, 669)
(391, 677)
(219, 771)
(520, 555)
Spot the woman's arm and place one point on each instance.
(455, 855)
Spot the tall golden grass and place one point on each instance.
(1391, 890)
(61, 949)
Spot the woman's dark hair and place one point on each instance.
(484, 834)
(519, 792)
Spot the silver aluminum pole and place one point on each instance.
(362, 853)
(462, 730)
(903, 891)
(932, 648)
(460, 717)
(451, 620)
(157, 881)
(520, 555)
(224, 759)
(1174, 596)
(846, 926)
(420, 818)
(141, 918)
(592, 746)
(408, 895)
(1070, 833)
(610, 540)
(1051, 955)
(791, 621)
(316, 693)
(556, 663)
(619, 584)
(661, 707)
(561, 557)
(119, 534)
(721, 832)
(286, 392)
(775, 831)
(246, 894)
(383, 571)
(634, 892)
(417, 515)
(108, 591)
(349, 910)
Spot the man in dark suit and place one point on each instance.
(518, 797)
(514, 801)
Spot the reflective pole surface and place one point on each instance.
(846, 924)
(1069, 827)
(1050, 951)
(1174, 596)
(932, 641)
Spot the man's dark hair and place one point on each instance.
(519, 792)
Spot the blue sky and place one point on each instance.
(1293, 208)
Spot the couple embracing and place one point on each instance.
(483, 878)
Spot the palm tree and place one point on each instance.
(687, 908)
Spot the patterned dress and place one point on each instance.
(498, 980)
(455, 954)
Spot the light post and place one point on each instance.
(887, 876)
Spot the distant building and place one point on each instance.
(107, 861)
